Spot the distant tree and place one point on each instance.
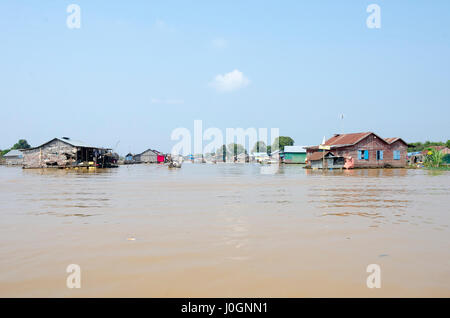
(21, 144)
(433, 143)
(235, 149)
(4, 152)
(415, 146)
(260, 146)
(230, 151)
(418, 146)
(281, 142)
(269, 150)
(221, 150)
(447, 144)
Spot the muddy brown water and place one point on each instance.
(226, 230)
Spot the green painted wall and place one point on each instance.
(294, 157)
(446, 159)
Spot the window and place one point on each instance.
(379, 154)
(396, 154)
(363, 154)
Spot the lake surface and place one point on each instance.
(224, 230)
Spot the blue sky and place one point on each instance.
(136, 70)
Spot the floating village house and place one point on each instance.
(13, 157)
(129, 159)
(276, 155)
(294, 154)
(242, 157)
(65, 152)
(364, 150)
(290, 154)
(149, 156)
(259, 157)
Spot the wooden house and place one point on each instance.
(129, 159)
(259, 157)
(276, 155)
(242, 158)
(65, 152)
(327, 159)
(148, 156)
(366, 150)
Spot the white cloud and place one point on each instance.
(230, 81)
(219, 43)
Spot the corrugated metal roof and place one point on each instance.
(151, 150)
(75, 143)
(300, 149)
(390, 140)
(317, 155)
(13, 153)
(394, 139)
(342, 140)
(256, 154)
(346, 139)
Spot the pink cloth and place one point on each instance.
(349, 163)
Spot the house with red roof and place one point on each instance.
(363, 150)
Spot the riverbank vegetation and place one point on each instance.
(434, 159)
(419, 146)
(437, 160)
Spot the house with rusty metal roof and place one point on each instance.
(365, 150)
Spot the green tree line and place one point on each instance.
(419, 146)
(234, 149)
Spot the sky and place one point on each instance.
(136, 70)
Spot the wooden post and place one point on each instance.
(323, 148)
(323, 159)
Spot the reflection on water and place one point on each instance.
(360, 172)
(64, 192)
(385, 195)
(222, 223)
